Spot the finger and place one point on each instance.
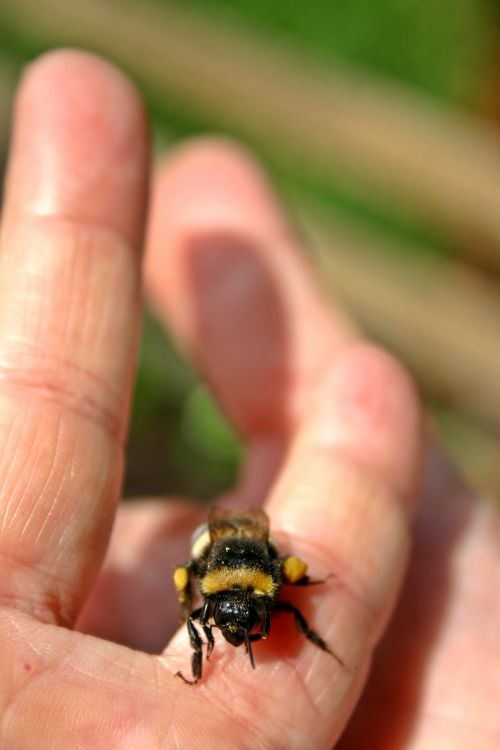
(438, 662)
(342, 503)
(225, 270)
(69, 310)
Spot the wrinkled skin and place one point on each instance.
(334, 434)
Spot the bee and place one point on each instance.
(239, 574)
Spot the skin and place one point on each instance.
(335, 448)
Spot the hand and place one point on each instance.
(333, 429)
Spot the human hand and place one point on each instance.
(333, 429)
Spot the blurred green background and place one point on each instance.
(430, 66)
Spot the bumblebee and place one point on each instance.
(239, 574)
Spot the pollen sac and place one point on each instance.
(293, 569)
(181, 580)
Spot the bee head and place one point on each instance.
(236, 615)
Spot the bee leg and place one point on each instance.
(303, 627)
(264, 631)
(306, 581)
(196, 643)
(182, 577)
(207, 629)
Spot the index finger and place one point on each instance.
(69, 319)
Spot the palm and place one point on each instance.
(333, 430)
(428, 702)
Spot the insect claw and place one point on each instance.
(187, 682)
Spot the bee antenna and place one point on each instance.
(249, 650)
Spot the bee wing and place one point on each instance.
(225, 522)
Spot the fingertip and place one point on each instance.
(71, 63)
(218, 166)
(209, 184)
(204, 149)
(208, 187)
(80, 142)
(84, 97)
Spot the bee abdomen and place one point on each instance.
(225, 578)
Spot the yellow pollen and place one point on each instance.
(293, 569)
(181, 578)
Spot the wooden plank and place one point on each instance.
(439, 317)
(404, 146)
